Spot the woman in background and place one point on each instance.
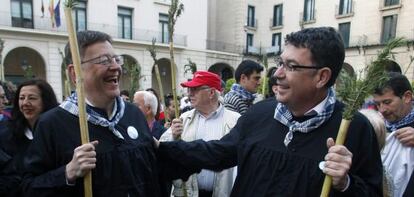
(32, 98)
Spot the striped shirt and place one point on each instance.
(235, 103)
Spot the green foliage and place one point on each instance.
(229, 83)
(134, 71)
(175, 11)
(190, 67)
(353, 91)
(152, 50)
(263, 88)
(70, 3)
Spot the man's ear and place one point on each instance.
(72, 74)
(407, 97)
(243, 77)
(323, 77)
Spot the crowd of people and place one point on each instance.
(221, 144)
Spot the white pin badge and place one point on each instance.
(322, 165)
(132, 132)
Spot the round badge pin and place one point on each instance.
(132, 132)
(322, 165)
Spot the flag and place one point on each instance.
(52, 12)
(43, 9)
(57, 14)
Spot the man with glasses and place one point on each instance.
(242, 93)
(120, 155)
(285, 146)
(209, 120)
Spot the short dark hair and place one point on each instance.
(247, 67)
(85, 39)
(391, 66)
(125, 92)
(18, 122)
(397, 82)
(325, 45)
(168, 100)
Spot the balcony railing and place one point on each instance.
(44, 24)
(258, 51)
(308, 18)
(348, 11)
(251, 24)
(275, 24)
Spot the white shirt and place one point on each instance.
(209, 128)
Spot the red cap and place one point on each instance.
(201, 78)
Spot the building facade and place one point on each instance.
(34, 38)
(215, 34)
(258, 27)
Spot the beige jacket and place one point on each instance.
(223, 181)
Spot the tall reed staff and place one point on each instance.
(353, 93)
(74, 49)
(153, 53)
(176, 9)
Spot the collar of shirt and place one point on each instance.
(213, 114)
(101, 111)
(28, 133)
(317, 109)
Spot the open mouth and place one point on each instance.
(113, 80)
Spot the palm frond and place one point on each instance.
(354, 91)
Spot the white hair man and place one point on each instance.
(148, 104)
(209, 120)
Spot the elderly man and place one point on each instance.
(279, 144)
(147, 102)
(121, 153)
(394, 101)
(242, 93)
(209, 120)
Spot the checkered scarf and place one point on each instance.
(71, 105)
(408, 119)
(237, 89)
(283, 115)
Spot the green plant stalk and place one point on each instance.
(173, 13)
(153, 54)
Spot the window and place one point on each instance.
(79, 15)
(250, 16)
(309, 10)
(277, 41)
(389, 26)
(163, 21)
(345, 7)
(344, 30)
(249, 41)
(124, 23)
(22, 13)
(391, 2)
(278, 15)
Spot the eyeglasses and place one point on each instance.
(106, 60)
(289, 67)
(196, 89)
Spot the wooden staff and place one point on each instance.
(79, 89)
(353, 93)
(1, 64)
(264, 85)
